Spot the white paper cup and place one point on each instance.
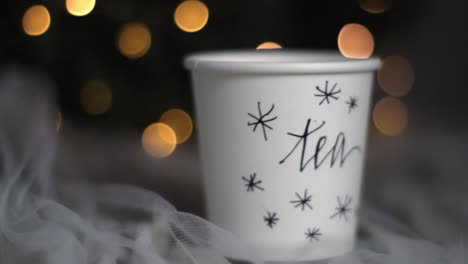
(283, 138)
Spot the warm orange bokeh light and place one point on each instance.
(355, 41)
(80, 7)
(159, 140)
(390, 116)
(375, 6)
(134, 40)
(396, 76)
(96, 97)
(36, 20)
(191, 15)
(180, 122)
(269, 45)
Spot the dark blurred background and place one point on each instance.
(75, 50)
(117, 67)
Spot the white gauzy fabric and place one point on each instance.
(49, 221)
(101, 224)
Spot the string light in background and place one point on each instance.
(180, 122)
(80, 7)
(396, 76)
(191, 15)
(390, 116)
(355, 41)
(96, 97)
(375, 6)
(269, 45)
(36, 20)
(159, 140)
(134, 40)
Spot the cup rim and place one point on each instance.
(279, 61)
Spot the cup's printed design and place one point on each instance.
(352, 103)
(303, 201)
(327, 95)
(337, 153)
(271, 219)
(252, 183)
(313, 234)
(343, 208)
(262, 120)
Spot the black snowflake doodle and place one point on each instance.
(313, 234)
(251, 183)
(327, 94)
(343, 208)
(352, 103)
(303, 201)
(271, 219)
(262, 120)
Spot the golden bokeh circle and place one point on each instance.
(180, 122)
(96, 97)
(375, 6)
(80, 7)
(390, 116)
(36, 20)
(396, 76)
(191, 15)
(158, 140)
(269, 45)
(134, 40)
(355, 41)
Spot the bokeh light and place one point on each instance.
(159, 140)
(36, 20)
(355, 41)
(269, 45)
(180, 122)
(191, 15)
(80, 7)
(396, 76)
(134, 40)
(390, 116)
(375, 6)
(96, 97)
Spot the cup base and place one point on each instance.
(294, 253)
